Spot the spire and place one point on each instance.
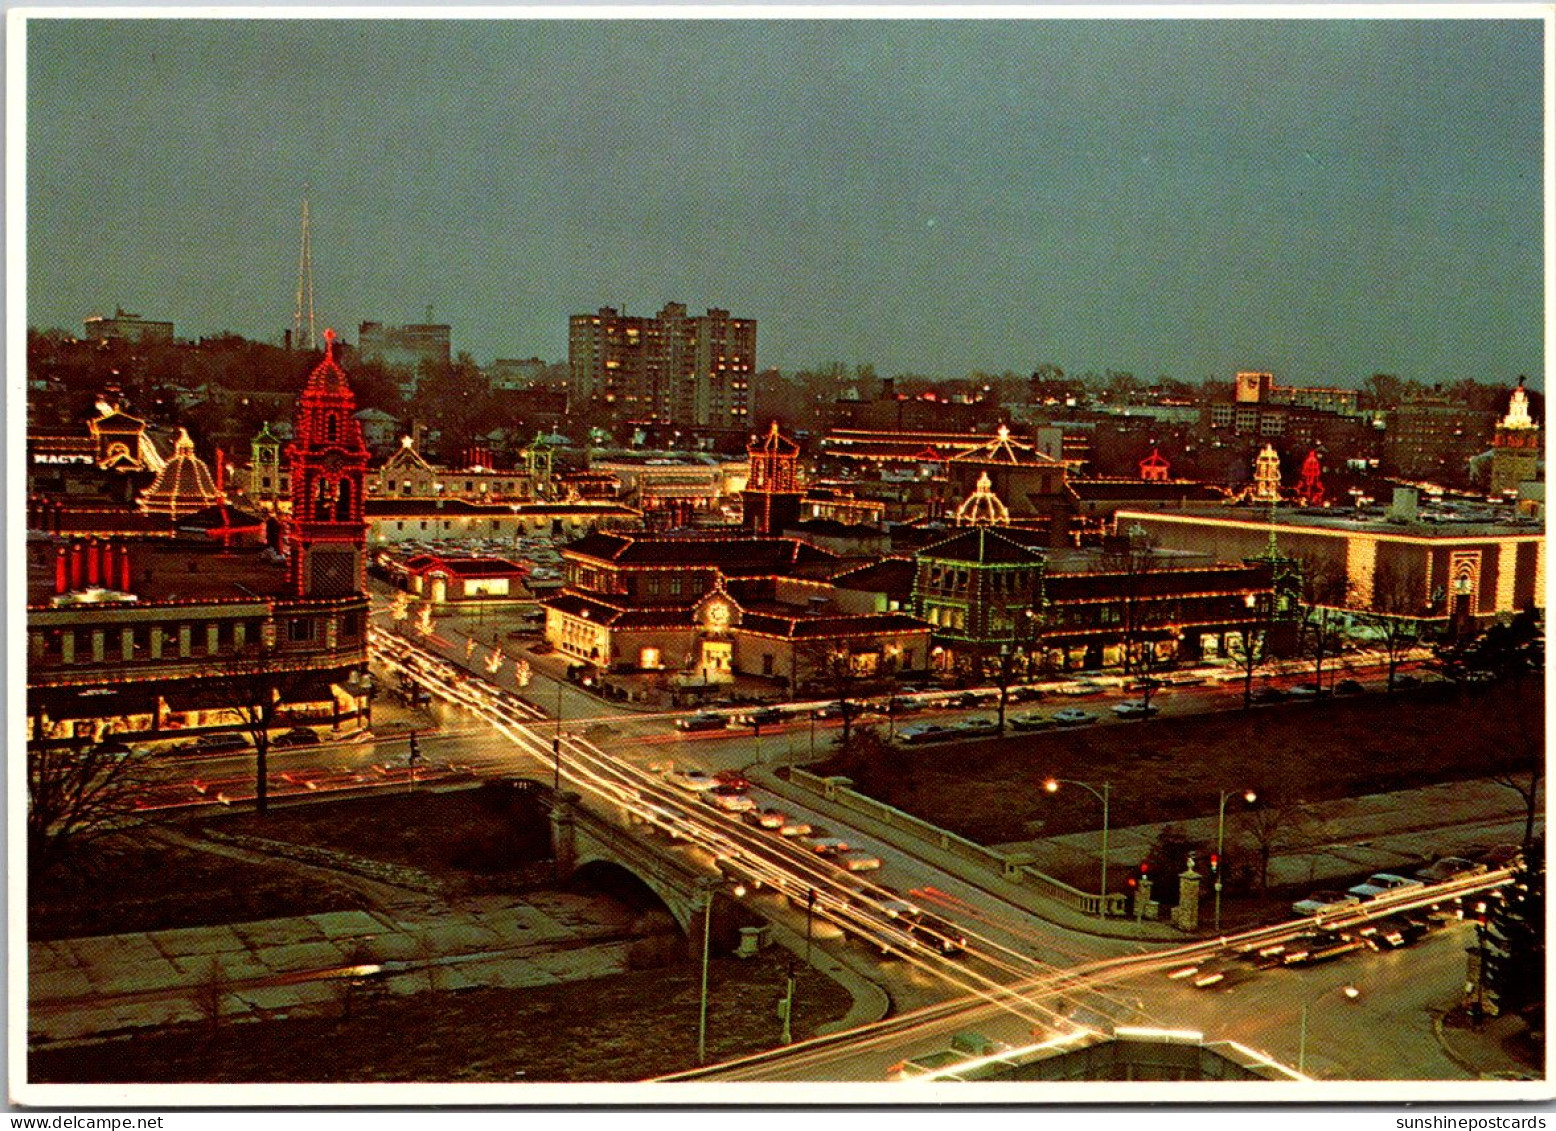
(302, 318)
(1266, 476)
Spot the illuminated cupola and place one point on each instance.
(326, 532)
(183, 486)
(773, 492)
(983, 506)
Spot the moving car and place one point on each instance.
(1381, 883)
(859, 861)
(297, 736)
(702, 722)
(1348, 687)
(694, 781)
(1394, 933)
(1025, 694)
(1270, 695)
(1080, 690)
(728, 798)
(765, 818)
(936, 933)
(766, 717)
(824, 845)
(733, 778)
(795, 826)
(1071, 717)
(1319, 946)
(1324, 903)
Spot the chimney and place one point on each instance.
(1403, 508)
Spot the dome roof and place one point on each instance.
(183, 486)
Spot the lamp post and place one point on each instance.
(709, 886)
(1249, 796)
(1102, 795)
(1004, 684)
(556, 743)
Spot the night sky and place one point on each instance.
(1322, 199)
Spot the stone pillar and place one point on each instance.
(564, 834)
(1185, 916)
(1143, 899)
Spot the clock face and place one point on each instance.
(718, 614)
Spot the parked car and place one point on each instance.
(925, 732)
(1381, 883)
(1072, 717)
(1447, 868)
(1324, 903)
(1502, 856)
(976, 728)
(859, 861)
(113, 748)
(1348, 687)
(704, 721)
(728, 798)
(1309, 691)
(218, 744)
(765, 818)
(1135, 709)
(694, 781)
(297, 736)
(1031, 720)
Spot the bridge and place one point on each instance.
(585, 842)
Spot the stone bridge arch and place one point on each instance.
(611, 871)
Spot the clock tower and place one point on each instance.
(326, 531)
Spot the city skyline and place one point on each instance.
(931, 197)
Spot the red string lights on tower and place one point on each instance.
(328, 462)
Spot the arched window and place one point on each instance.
(329, 426)
(343, 502)
(321, 504)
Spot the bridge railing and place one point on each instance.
(1006, 866)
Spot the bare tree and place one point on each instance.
(1277, 818)
(1324, 594)
(844, 672)
(1395, 616)
(76, 795)
(255, 687)
(1253, 646)
(1522, 716)
(1132, 558)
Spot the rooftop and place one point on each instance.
(1467, 520)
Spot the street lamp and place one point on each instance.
(708, 886)
(1250, 797)
(1052, 786)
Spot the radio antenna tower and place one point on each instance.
(303, 336)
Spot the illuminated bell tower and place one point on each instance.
(326, 531)
(1515, 454)
(1266, 476)
(772, 495)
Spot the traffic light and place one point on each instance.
(1215, 862)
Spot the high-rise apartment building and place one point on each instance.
(677, 368)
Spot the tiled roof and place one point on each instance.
(732, 556)
(983, 546)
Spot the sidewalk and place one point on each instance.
(1018, 895)
(1334, 839)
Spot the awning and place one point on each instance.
(92, 703)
